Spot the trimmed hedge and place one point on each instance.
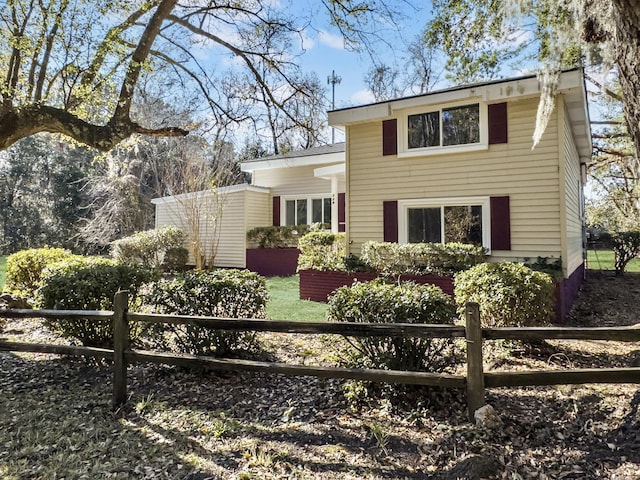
(380, 302)
(421, 258)
(219, 293)
(509, 294)
(150, 247)
(322, 251)
(24, 268)
(88, 283)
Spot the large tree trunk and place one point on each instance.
(626, 16)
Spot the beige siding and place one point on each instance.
(241, 210)
(528, 177)
(257, 209)
(293, 181)
(232, 231)
(573, 188)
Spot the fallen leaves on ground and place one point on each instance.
(56, 420)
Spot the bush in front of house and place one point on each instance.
(148, 248)
(421, 258)
(380, 302)
(175, 259)
(88, 283)
(276, 236)
(24, 268)
(218, 293)
(509, 294)
(322, 251)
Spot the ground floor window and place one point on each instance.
(464, 220)
(307, 210)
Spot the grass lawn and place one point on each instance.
(605, 260)
(284, 302)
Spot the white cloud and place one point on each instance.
(307, 42)
(331, 40)
(362, 97)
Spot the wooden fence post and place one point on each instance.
(475, 372)
(120, 344)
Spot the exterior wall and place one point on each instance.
(573, 257)
(257, 210)
(292, 181)
(239, 209)
(232, 232)
(528, 177)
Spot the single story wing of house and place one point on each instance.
(297, 188)
(416, 169)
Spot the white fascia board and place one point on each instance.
(241, 187)
(490, 93)
(340, 118)
(291, 162)
(328, 172)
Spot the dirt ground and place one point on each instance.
(55, 420)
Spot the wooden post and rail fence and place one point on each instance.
(474, 382)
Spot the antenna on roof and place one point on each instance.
(332, 80)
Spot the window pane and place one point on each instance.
(424, 225)
(424, 130)
(461, 125)
(327, 211)
(291, 212)
(301, 212)
(316, 210)
(463, 224)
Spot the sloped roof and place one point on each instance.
(570, 84)
(325, 154)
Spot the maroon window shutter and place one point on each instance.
(390, 137)
(500, 224)
(276, 211)
(497, 113)
(341, 213)
(390, 223)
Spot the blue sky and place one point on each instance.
(326, 51)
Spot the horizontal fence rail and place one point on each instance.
(284, 326)
(475, 381)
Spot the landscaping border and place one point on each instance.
(273, 262)
(317, 285)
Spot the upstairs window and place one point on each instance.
(446, 127)
(449, 129)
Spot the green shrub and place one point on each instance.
(88, 283)
(277, 237)
(421, 258)
(626, 247)
(552, 267)
(322, 251)
(175, 259)
(24, 268)
(149, 247)
(509, 294)
(381, 302)
(218, 293)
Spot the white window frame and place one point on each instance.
(309, 199)
(403, 130)
(405, 205)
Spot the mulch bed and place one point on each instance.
(56, 421)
